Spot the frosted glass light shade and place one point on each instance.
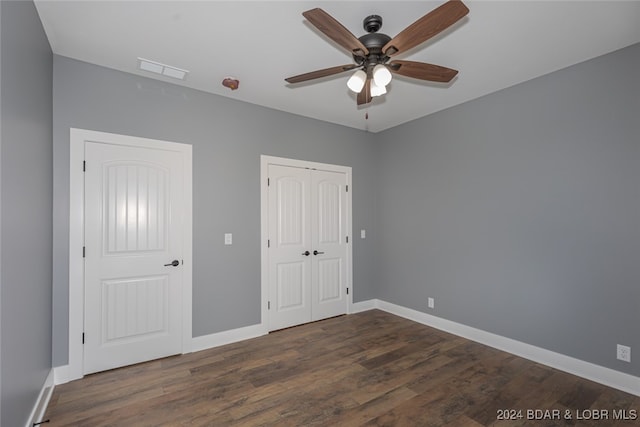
(377, 90)
(356, 81)
(381, 75)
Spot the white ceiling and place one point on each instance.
(499, 44)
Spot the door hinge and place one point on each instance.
(347, 239)
(347, 188)
(268, 243)
(84, 251)
(83, 338)
(347, 291)
(268, 182)
(84, 166)
(268, 305)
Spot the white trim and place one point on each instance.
(40, 406)
(62, 375)
(227, 337)
(606, 376)
(187, 248)
(609, 377)
(264, 237)
(265, 161)
(76, 264)
(351, 240)
(77, 137)
(359, 307)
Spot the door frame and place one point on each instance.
(77, 139)
(265, 161)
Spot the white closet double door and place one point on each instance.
(307, 218)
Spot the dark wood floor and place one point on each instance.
(372, 368)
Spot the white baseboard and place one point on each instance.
(227, 337)
(40, 407)
(63, 374)
(234, 335)
(358, 307)
(609, 377)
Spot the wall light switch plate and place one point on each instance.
(430, 302)
(363, 234)
(228, 238)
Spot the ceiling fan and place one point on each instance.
(373, 52)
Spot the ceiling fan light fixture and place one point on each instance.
(356, 81)
(372, 51)
(381, 75)
(377, 90)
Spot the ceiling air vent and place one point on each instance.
(163, 69)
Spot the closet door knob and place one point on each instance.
(173, 263)
(306, 253)
(317, 253)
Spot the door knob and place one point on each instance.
(306, 253)
(173, 263)
(317, 253)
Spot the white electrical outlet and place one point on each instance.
(624, 353)
(228, 238)
(430, 303)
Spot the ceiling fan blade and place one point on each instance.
(426, 27)
(364, 97)
(320, 73)
(423, 71)
(335, 31)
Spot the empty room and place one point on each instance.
(294, 213)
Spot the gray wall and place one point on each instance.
(26, 201)
(1, 213)
(228, 138)
(518, 212)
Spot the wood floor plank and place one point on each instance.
(366, 369)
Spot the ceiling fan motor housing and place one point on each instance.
(374, 42)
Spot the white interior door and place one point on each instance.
(133, 229)
(307, 245)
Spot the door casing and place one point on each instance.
(265, 161)
(74, 369)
